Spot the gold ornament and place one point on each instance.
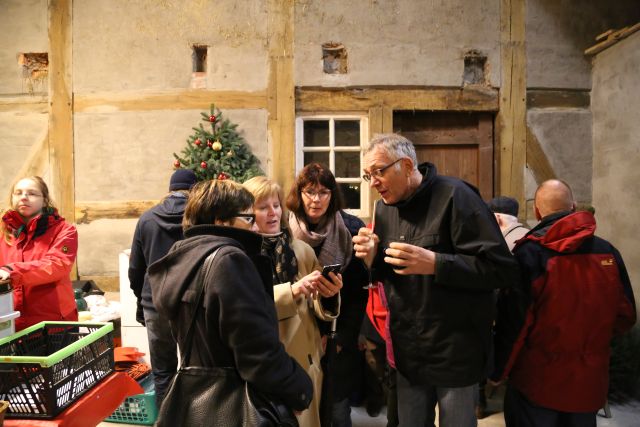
(217, 146)
(229, 153)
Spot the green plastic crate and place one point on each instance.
(48, 366)
(138, 409)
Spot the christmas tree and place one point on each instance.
(218, 153)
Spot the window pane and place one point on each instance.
(347, 165)
(347, 133)
(316, 133)
(351, 195)
(322, 158)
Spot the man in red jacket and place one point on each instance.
(554, 331)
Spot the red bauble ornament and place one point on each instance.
(222, 176)
(203, 165)
(197, 142)
(209, 143)
(176, 164)
(212, 118)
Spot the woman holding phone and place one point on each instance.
(316, 217)
(299, 289)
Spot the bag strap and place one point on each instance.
(188, 340)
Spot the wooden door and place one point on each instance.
(460, 144)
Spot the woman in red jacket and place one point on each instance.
(37, 251)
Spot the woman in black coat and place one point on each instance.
(316, 217)
(236, 325)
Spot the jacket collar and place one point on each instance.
(563, 231)
(429, 173)
(251, 242)
(35, 227)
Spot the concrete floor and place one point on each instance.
(622, 416)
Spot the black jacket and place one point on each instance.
(441, 324)
(238, 326)
(157, 230)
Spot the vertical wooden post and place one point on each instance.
(512, 126)
(61, 149)
(281, 92)
(61, 107)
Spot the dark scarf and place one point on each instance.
(284, 266)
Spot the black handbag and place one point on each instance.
(216, 396)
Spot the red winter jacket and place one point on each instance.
(39, 258)
(574, 297)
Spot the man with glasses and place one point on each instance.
(439, 252)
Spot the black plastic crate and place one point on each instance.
(47, 367)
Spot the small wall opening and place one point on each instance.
(199, 57)
(475, 63)
(35, 69)
(334, 58)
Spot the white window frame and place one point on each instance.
(363, 212)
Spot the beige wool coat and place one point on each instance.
(299, 331)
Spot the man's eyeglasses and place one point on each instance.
(27, 194)
(248, 218)
(378, 173)
(322, 195)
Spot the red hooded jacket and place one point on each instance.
(554, 331)
(39, 257)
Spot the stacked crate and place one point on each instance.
(7, 314)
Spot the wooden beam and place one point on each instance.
(85, 212)
(512, 116)
(170, 100)
(375, 121)
(364, 98)
(37, 160)
(61, 106)
(281, 92)
(24, 104)
(612, 37)
(558, 98)
(537, 160)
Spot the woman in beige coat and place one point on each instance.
(299, 289)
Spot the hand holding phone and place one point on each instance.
(335, 268)
(330, 287)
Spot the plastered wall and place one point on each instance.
(146, 46)
(616, 150)
(565, 137)
(558, 32)
(128, 156)
(19, 132)
(120, 45)
(23, 28)
(396, 42)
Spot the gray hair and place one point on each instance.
(396, 146)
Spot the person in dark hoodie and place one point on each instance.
(237, 324)
(439, 252)
(157, 230)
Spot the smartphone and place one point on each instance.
(329, 268)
